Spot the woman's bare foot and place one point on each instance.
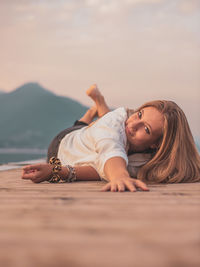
(89, 115)
(94, 93)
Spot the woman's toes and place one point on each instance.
(93, 92)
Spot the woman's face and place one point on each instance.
(144, 128)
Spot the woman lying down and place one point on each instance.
(127, 148)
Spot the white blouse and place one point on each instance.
(94, 145)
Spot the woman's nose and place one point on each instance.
(135, 125)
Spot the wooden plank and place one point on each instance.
(78, 225)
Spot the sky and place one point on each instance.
(135, 50)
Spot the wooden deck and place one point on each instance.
(76, 225)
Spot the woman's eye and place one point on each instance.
(147, 130)
(140, 114)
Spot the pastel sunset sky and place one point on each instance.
(135, 50)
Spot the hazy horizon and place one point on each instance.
(135, 50)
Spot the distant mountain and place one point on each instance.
(31, 116)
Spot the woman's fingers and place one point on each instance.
(37, 173)
(34, 176)
(141, 185)
(130, 186)
(122, 185)
(28, 175)
(113, 187)
(31, 176)
(32, 172)
(106, 188)
(31, 167)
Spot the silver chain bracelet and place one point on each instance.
(71, 177)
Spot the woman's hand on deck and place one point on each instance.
(122, 184)
(37, 173)
(118, 176)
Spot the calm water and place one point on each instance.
(16, 155)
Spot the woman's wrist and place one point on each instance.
(64, 172)
(49, 172)
(119, 176)
(61, 173)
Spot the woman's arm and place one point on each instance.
(42, 172)
(115, 170)
(118, 176)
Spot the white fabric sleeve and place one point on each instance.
(106, 149)
(111, 125)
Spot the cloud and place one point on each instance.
(138, 48)
(189, 6)
(23, 10)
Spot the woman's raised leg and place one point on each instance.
(101, 105)
(89, 115)
(100, 108)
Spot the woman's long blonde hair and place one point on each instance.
(176, 159)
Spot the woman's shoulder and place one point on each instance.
(114, 116)
(121, 111)
(110, 125)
